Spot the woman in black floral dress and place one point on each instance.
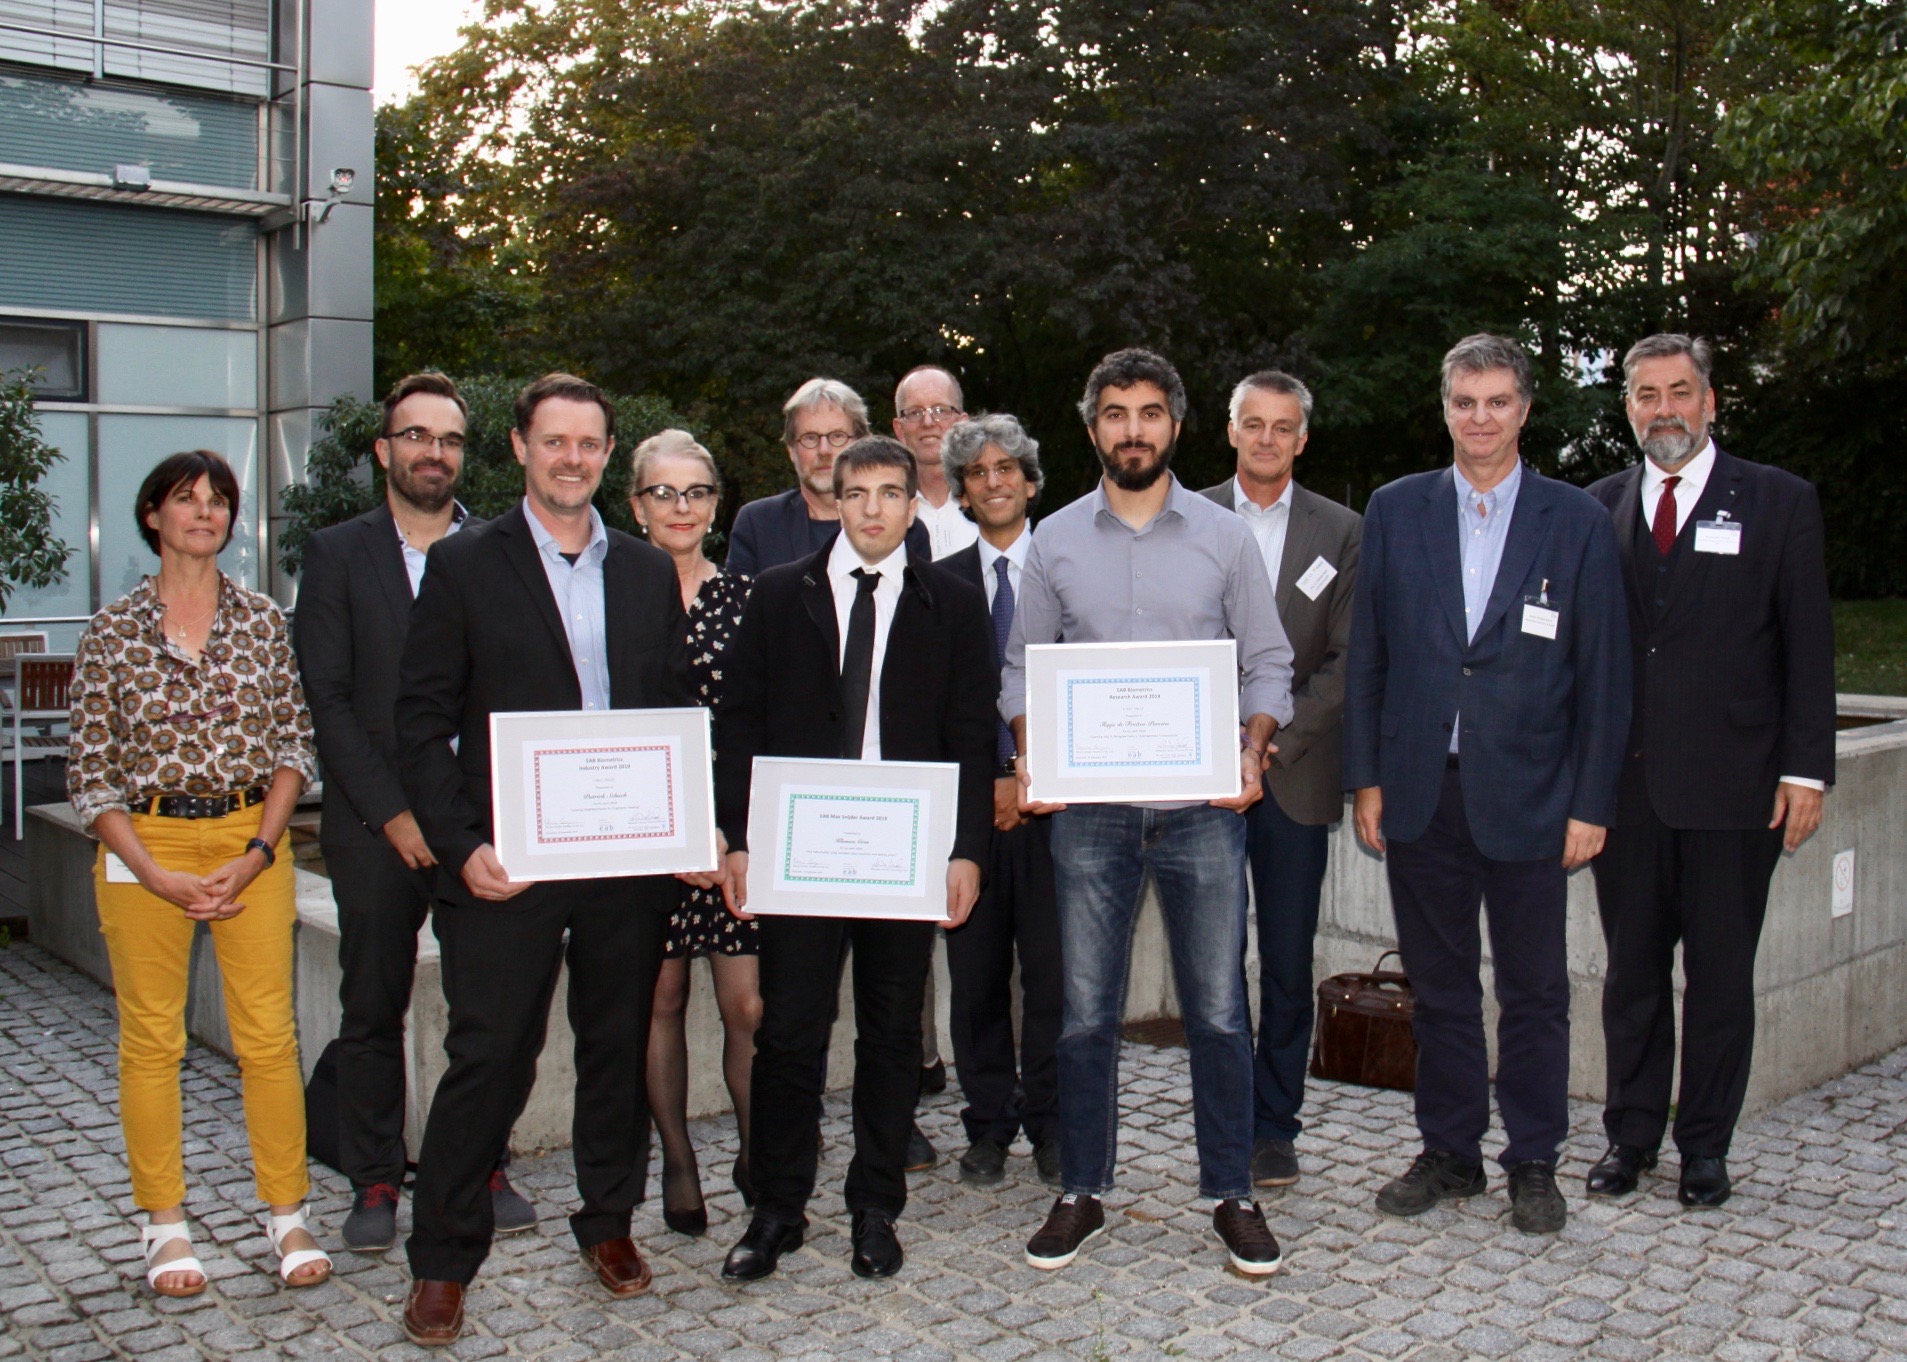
(676, 491)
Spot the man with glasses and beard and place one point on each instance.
(1140, 558)
(1730, 750)
(354, 603)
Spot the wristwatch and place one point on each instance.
(263, 848)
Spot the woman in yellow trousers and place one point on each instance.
(191, 744)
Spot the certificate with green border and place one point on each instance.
(851, 838)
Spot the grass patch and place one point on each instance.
(1870, 647)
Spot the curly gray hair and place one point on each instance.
(965, 442)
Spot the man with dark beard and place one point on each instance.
(1141, 559)
(354, 604)
(1730, 749)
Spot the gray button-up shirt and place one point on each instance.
(578, 589)
(1192, 573)
(1483, 528)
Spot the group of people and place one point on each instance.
(1512, 677)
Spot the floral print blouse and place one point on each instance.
(149, 720)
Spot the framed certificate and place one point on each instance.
(1132, 723)
(577, 795)
(851, 838)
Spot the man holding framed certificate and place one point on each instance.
(542, 609)
(880, 666)
(1144, 564)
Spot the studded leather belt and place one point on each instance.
(205, 806)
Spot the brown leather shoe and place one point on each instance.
(434, 1313)
(618, 1266)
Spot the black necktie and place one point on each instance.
(857, 664)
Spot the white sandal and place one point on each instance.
(276, 1228)
(152, 1238)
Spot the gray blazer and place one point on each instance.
(1304, 775)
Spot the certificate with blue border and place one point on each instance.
(851, 838)
(1132, 723)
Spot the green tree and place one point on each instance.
(30, 554)
(343, 477)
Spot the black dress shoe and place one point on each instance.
(921, 1154)
(1046, 1161)
(933, 1078)
(760, 1248)
(1704, 1180)
(877, 1249)
(1617, 1172)
(984, 1163)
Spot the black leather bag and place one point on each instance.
(1363, 1033)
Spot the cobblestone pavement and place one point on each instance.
(1809, 1260)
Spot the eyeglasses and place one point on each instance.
(418, 438)
(979, 473)
(813, 439)
(915, 416)
(664, 495)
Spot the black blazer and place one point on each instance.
(782, 688)
(770, 531)
(354, 607)
(485, 637)
(1734, 656)
(1305, 776)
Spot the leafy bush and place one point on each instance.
(343, 478)
(30, 555)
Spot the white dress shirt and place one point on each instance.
(1688, 491)
(1694, 477)
(842, 561)
(948, 529)
(1015, 555)
(415, 559)
(1269, 524)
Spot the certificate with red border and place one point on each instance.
(586, 795)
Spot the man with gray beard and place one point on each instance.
(1731, 747)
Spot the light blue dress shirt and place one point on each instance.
(578, 590)
(415, 559)
(1483, 527)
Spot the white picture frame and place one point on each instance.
(860, 839)
(594, 794)
(1132, 723)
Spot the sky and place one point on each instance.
(414, 31)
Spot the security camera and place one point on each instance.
(342, 179)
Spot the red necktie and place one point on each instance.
(1664, 527)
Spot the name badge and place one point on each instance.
(1718, 536)
(1316, 578)
(118, 872)
(1540, 620)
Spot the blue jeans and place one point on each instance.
(1101, 853)
(1287, 868)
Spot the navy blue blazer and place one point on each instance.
(770, 531)
(1544, 720)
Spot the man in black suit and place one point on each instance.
(1729, 754)
(1310, 546)
(862, 651)
(354, 603)
(543, 608)
(994, 468)
(822, 417)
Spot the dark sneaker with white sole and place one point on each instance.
(1433, 1176)
(1247, 1238)
(1069, 1225)
(372, 1225)
(512, 1210)
(1536, 1202)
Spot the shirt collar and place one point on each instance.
(1175, 495)
(1694, 473)
(596, 550)
(457, 517)
(1499, 498)
(1246, 506)
(842, 560)
(1014, 553)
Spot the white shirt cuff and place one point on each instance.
(1820, 785)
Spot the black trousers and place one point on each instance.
(1437, 883)
(499, 966)
(1708, 890)
(801, 961)
(1287, 861)
(382, 904)
(1018, 908)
